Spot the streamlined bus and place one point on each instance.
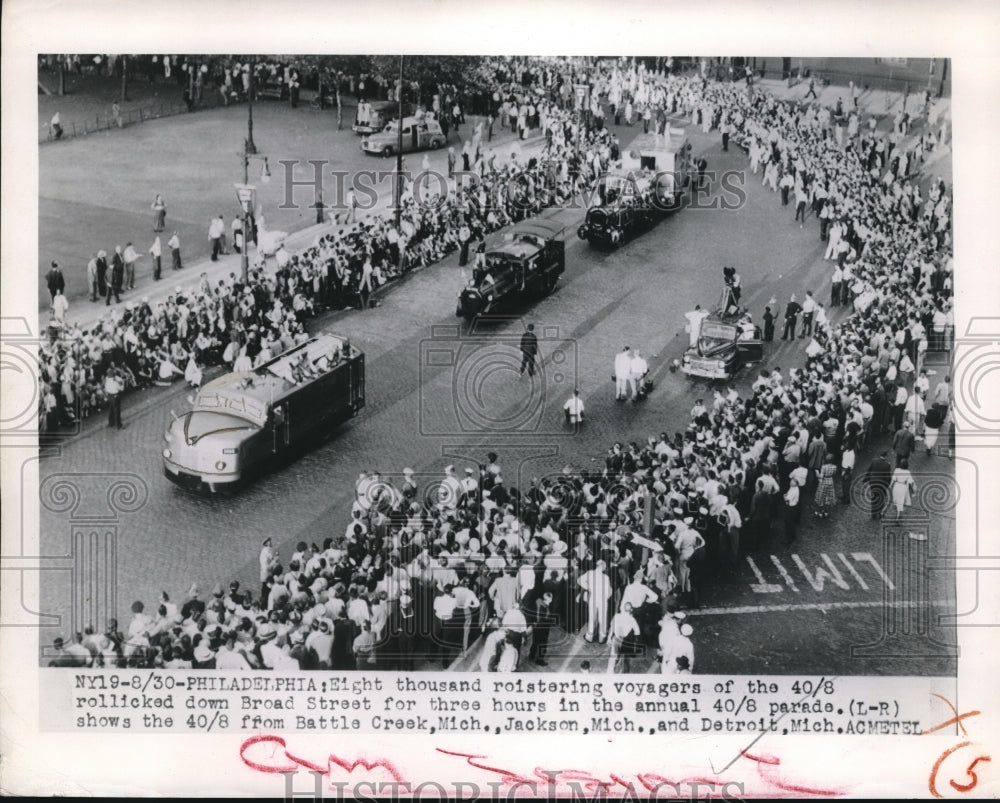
(245, 421)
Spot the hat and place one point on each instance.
(686, 630)
(194, 591)
(202, 653)
(449, 469)
(408, 472)
(470, 471)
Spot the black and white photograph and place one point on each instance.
(445, 391)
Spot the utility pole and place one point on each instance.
(124, 78)
(399, 149)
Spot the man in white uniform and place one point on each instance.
(597, 586)
(694, 318)
(623, 367)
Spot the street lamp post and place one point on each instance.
(250, 147)
(246, 194)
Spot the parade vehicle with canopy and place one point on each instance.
(246, 421)
(530, 259)
(725, 344)
(419, 134)
(656, 172)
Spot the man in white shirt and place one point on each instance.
(597, 588)
(215, 231)
(623, 367)
(574, 408)
(130, 257)
(623, 626)
(113, 387)
(808, 311)
(638, 368)
(695, 318)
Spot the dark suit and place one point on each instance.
(878, 476)
(791, 317)
(529, 350)
(117, 279)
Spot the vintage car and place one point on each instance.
(530, 259)
(379, 114)
(245, 421)
(724, 346)
(419, 134)
(654, 176)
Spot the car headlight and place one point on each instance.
(167, 454)
(220, 465)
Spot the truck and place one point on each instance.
(245, 421)
(530, 259)
(656, 172)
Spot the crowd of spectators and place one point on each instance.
(426, 567)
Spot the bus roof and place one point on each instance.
(250, 394)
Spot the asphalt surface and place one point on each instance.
(822, 607)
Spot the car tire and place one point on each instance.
(435, 144)
(387, 151)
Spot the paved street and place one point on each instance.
(798, 610)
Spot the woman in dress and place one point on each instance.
(159, 213)
(901, 486)
(825, 493)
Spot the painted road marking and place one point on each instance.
(818, 580)
(823, 578)
(813, 606)
(784, 574)
(854, 572)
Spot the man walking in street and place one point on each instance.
(791, 318)
(597, 589)
(808, 311)
(903, 443)
(130, 257)
(878, 477)
(156, 251)
(54, 281)
(92, 277)
(623, 367)
(117, 278)
(174, 244)
(574, 408)
(529, 350)
(638, 368)
(215, 231)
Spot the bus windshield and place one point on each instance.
(198, 424)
